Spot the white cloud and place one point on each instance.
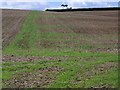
(93, 0)
(59, 1)
(83, 2)
(23, 5)
(23, 0)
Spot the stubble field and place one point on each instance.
(60, 50)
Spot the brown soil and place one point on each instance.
(102, 68)
(12, 58)
(96, 70)
(100, 28)
(53, 19)
(12, 21)
(91, 22)
(39, 79)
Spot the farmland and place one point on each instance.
(60, 49)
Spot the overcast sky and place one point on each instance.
(44, 4)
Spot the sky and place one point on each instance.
(46, 4)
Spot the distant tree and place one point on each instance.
(64, 5)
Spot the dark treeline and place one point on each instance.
(83, 9)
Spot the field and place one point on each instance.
(60, 49)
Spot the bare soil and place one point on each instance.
(95, 70)
(12, 58)
(96, 22)
(101, 28)
(40, 78)
(12, 21)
